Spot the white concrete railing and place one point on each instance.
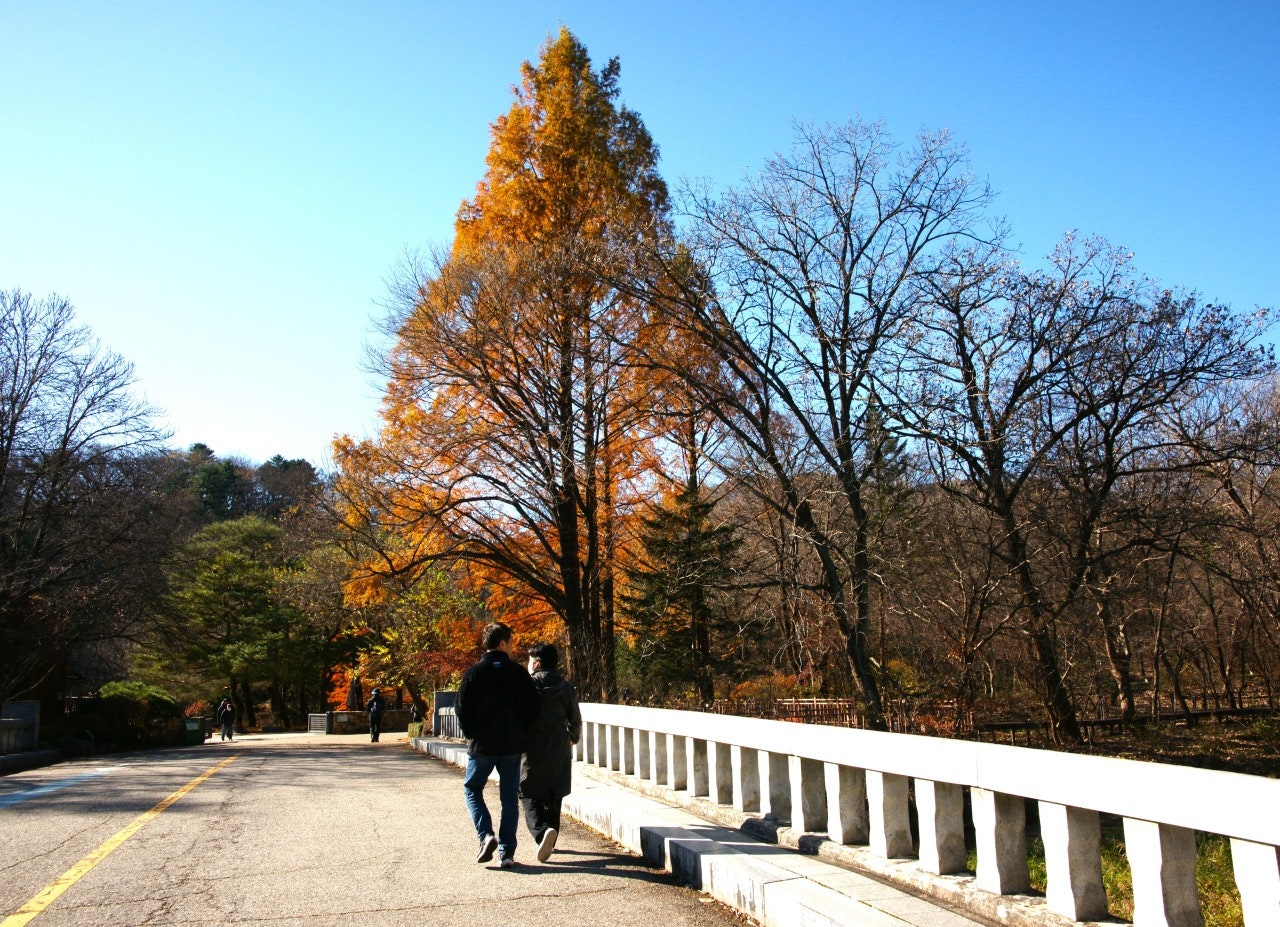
(853, 786)
(446, 723)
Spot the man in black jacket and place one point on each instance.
(497, 704)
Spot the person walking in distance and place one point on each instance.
(374, 708)
(546, 774)
(497, 704)
(226, 715)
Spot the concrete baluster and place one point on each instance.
(1000, 829)
(628, 737)
(599, 732)
(808, 795)
(889, 815)
(847, 820)
(746, 778)
(1163, 860)
(719, 773)
(1257, 868)
(657, 758)
(940, 813)
(677, 765)
(1073, 862)
(775, 787)
(618, 749)
(642, 754)
(696, 761)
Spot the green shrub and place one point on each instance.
(132, 714)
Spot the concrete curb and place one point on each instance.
(31, 759)
(768, 882)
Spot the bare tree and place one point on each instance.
(1038, 394)
(78, 464)
(810, 269)
(1233, 565)
(949, 601)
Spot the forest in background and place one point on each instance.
(823, 433)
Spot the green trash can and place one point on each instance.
(195, 731)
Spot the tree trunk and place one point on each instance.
(355, 695)
(279, 706)
(586, 663)
(1064, 728)
(1176, 685)
(854, 633)
(702, 674)
(248, 714)
(1120, 660)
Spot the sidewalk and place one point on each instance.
(773, 885)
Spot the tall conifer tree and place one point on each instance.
(515, 426)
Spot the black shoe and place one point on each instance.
(488, 846)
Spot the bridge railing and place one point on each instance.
(19, 726)
(446, 723)
(857, 787)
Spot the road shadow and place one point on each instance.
(616, 865)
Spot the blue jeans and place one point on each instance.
(478, 770)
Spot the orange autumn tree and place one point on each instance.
(516, 430)
(424, 637)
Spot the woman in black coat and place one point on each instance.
(375, 708)
(546, 772)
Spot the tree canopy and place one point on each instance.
(515, 429)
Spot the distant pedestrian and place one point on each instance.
(546, 775)
(226, 715)
(375, 709)
(497, 703)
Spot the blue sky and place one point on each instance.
(222, 189)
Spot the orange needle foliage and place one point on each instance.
(518, 435)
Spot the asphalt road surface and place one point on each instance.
(296, 829)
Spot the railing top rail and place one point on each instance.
(1236, 805)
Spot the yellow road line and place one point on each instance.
(73, 875)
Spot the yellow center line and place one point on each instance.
(73, 875)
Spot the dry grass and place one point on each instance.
(1251, 747)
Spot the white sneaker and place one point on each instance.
(547, 844)
(508, 862)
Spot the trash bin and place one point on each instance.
(195, 734)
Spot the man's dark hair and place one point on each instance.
(546, 654)
(494, 635)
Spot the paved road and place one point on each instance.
(297, 830)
